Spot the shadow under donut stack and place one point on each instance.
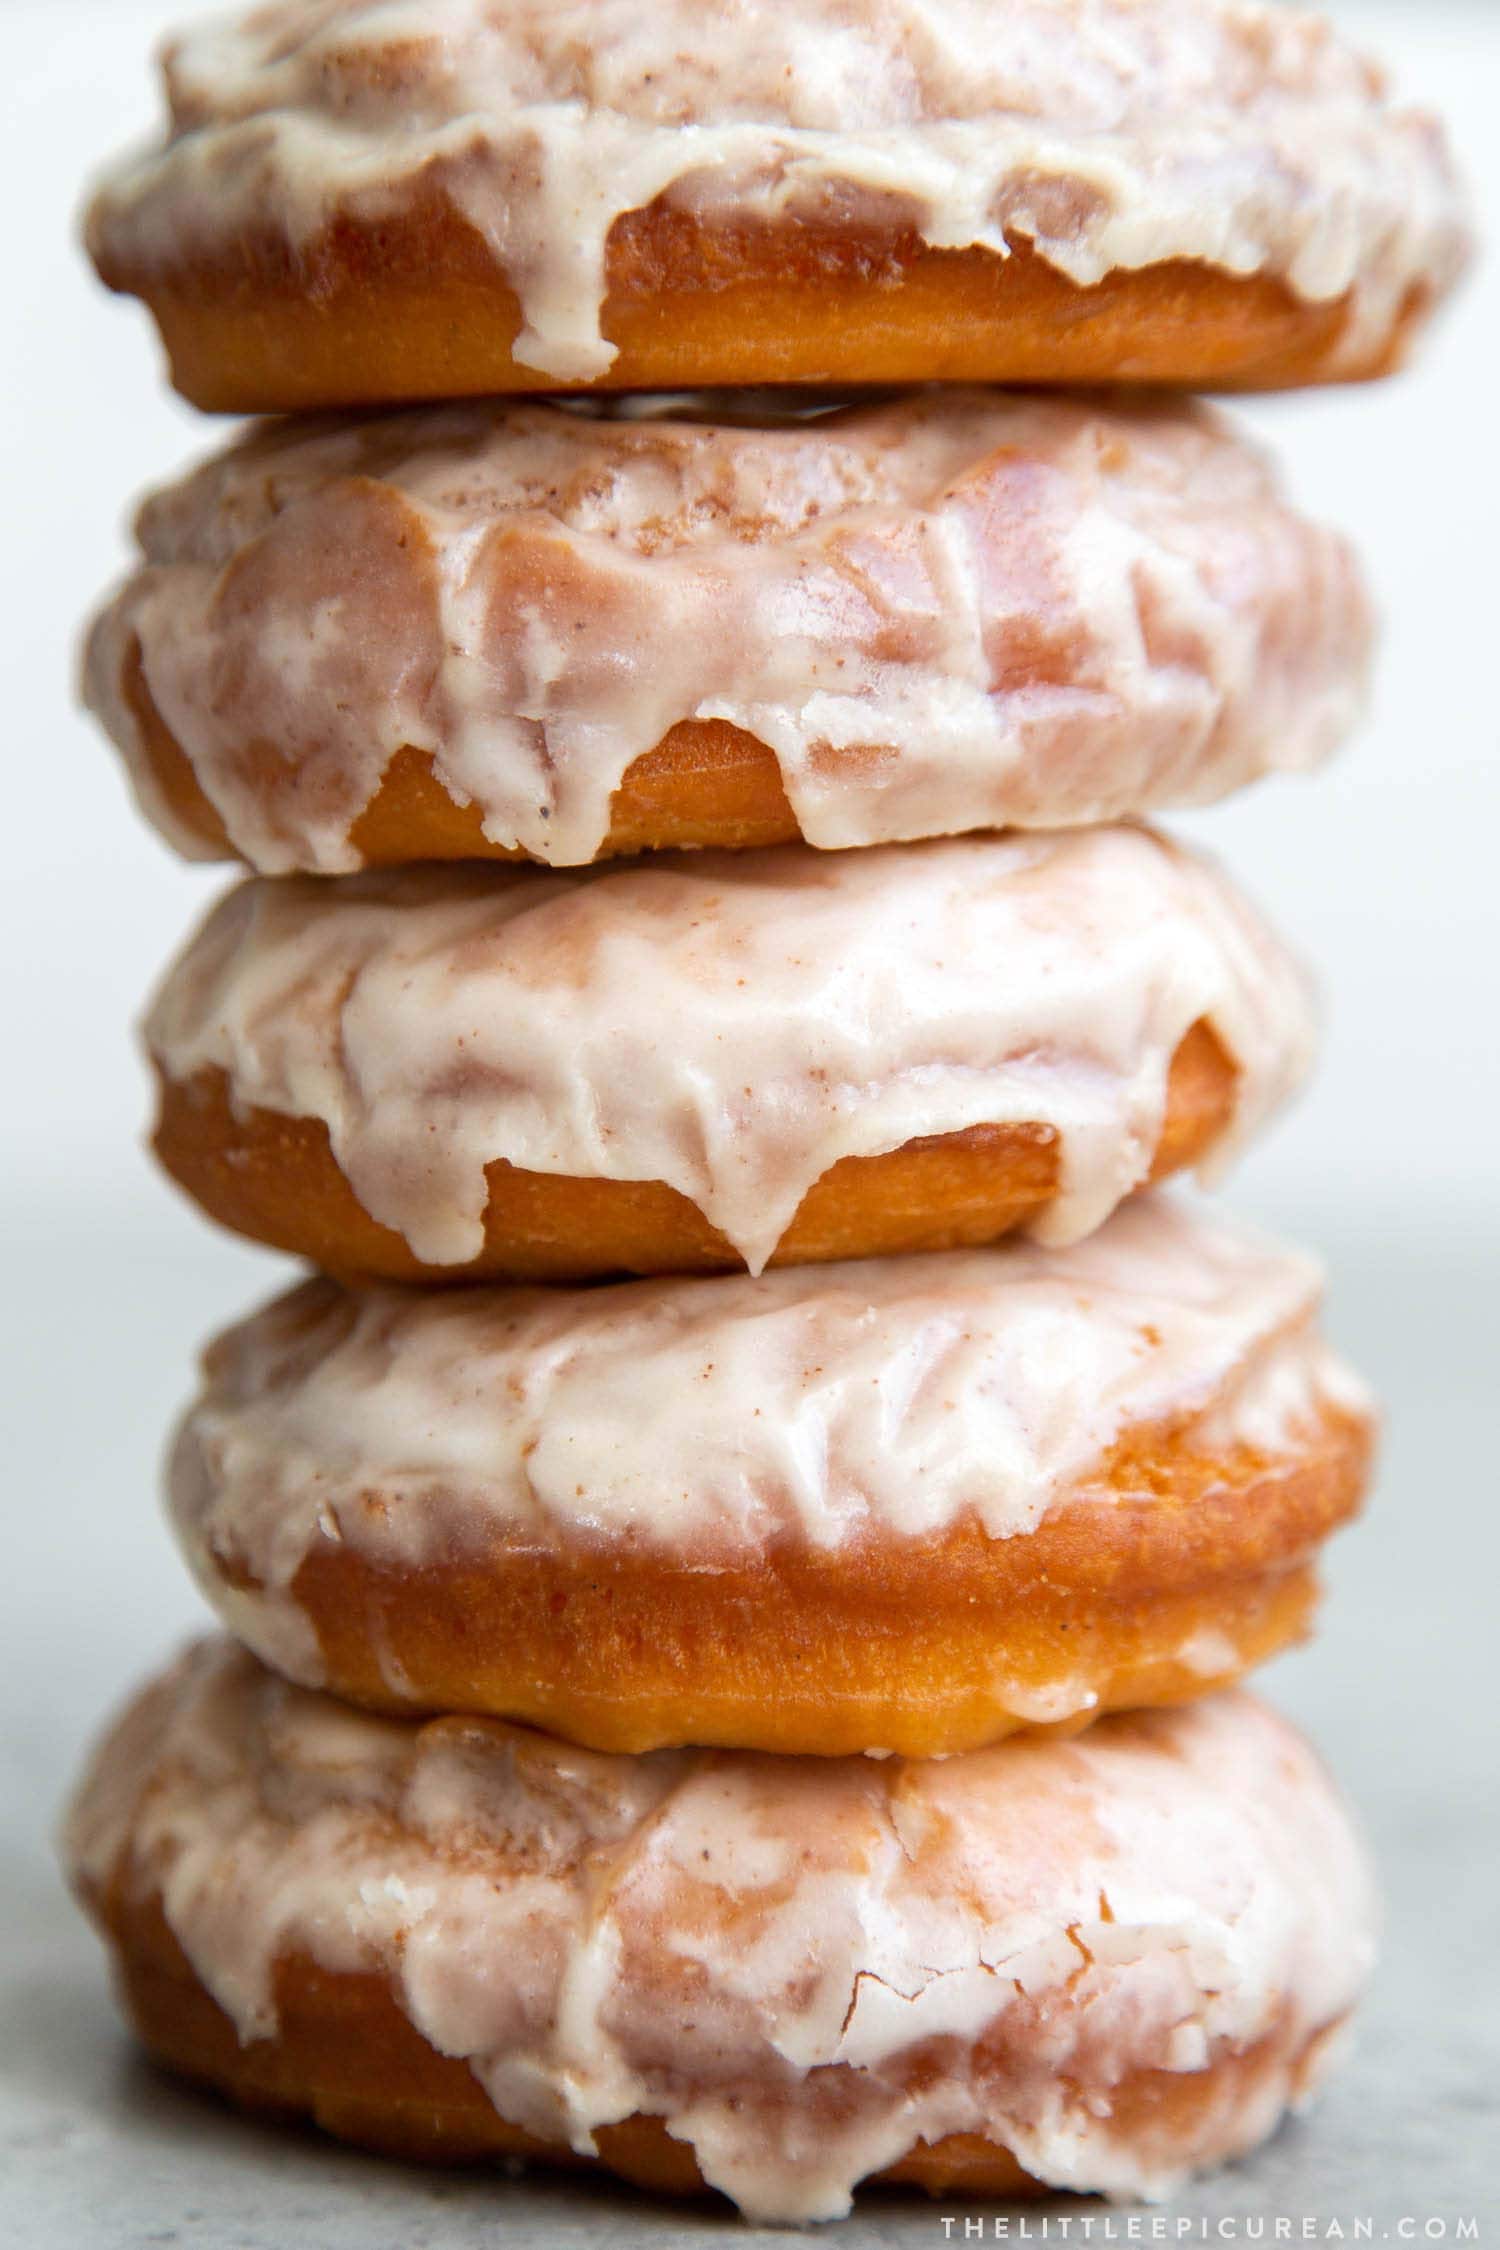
(745, 1692)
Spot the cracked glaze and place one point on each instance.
(1113, 134)
(802, 1966)
(949, 611)
(735, 1023)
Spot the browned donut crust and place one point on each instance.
(275, 1179)
(706, 783)
(918, 1646)
(416, 308)
(346, 2057)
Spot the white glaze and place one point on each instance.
(1039, 613)
(734, 1023)
(1114, 134)
(717, 1420)
(692, 1935)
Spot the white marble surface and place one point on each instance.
(1385, 872)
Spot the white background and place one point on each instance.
(1386, 870)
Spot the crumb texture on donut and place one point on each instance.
(735, 1025)
(804, 1970)
(1110, 135)
(364, 1468)
(951, 611)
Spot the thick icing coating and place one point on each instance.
(716, 1419)
(734, 1023)
(696, 1935)
(1039, 612)
(1114, 134)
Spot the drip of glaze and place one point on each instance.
(951, 611)
(1112, 135)
(735, 1023)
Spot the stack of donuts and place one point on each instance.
(736, 1564)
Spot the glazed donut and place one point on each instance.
(911, 1505)
(717, 1060)
(353, 204)
(511, 629)
(1095, 1964)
